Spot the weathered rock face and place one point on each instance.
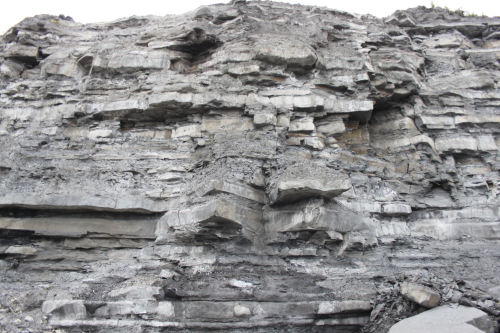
(248, 167)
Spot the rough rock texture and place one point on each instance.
(250, 167)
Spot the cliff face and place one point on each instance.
(253, 166)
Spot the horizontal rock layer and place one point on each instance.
(253, 166)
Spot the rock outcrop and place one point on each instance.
(250, 167)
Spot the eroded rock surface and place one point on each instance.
(250, 167)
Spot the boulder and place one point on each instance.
(420, 294)
(446, 319)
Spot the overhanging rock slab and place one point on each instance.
(306, 180)
(214, 219)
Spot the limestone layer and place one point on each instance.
(249, 167)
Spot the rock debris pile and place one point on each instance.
(250, 167)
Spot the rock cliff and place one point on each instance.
(250, 167)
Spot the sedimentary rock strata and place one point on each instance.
(250, 167)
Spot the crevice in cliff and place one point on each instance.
(79, 221)
(197, 45)
(18, 211)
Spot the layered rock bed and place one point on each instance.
(249, 167)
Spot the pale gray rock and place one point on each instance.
(263, 119)
(65, 309)
(137, 292)
(165, 310)
(420, 294)
(217, 218)
(241, 311)
(282, 50)
(21, 250)
(343, 306)
(302, 125)
(307, 180)
(396, 209)
(459, 319)
(332, 127)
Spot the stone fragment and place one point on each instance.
(449, 40)
(420, 294)
(495, 292)
(435, 122)
(193, 131)
(100, 133)
(314, 142)
(241, 311)
(215, 219)
(314, 215)
(165, 310)
(24, 53)
(302, 125)
(465, 79)
(137, 292)
(65, 309)
(308, 102)
(126, 308)
(335, 126)
(283, 50)
(238, 189)
(299, 182)
(244, 69)
(11, 69)
(263, 119)
(396, 209)
(360, 109)
(456, 144)
(446, 319)
(333, 307)
(21, 250)
(131, 60)
(61, 63)
(486, 143)
(283, 121)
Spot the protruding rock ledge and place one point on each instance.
(303, 181)
(215, 219)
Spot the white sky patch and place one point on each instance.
(107, 10)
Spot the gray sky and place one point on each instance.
(108, 10)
